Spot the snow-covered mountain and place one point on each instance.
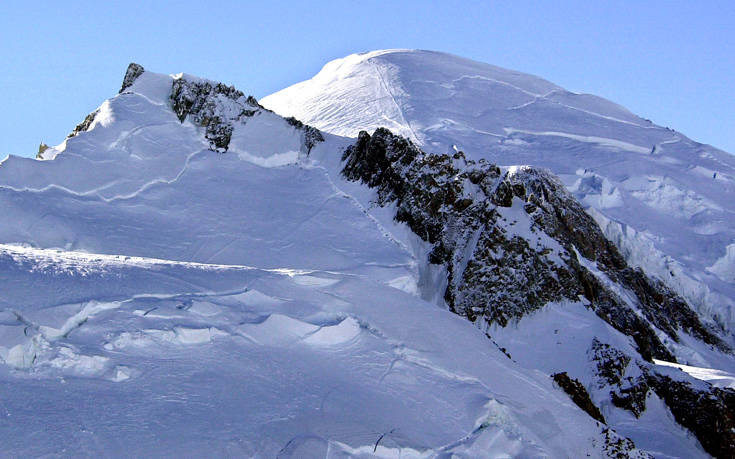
(666, 201)
(189, 273)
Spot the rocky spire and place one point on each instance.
(134, 71)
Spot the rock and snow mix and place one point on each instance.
(668, 202)
(189, 273)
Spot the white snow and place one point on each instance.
(302, 373)
(612, 143)
(333, 335)
(644, 177)
(724, 267)
(162, 299)
(717, 378)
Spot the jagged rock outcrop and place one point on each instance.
(511, 241)
(610, 362)
(206, 104)
(217, 107)
(578, 394)
(619, 447)
(84, 125)
(631, 395)
(707, 411)
(41, 148)
(214, 106)
(133, 72)
(310, 135)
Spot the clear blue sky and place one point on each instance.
(670, 61)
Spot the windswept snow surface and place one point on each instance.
(162, 299)
(113, 355)
(668, 202)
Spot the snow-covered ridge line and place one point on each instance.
(509, 241)
(656, 182)
(96, 192)
(514, 242)
(92, 260)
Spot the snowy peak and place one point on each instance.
(186, 241)
(411, 91)
(666, 201)
(216, 110)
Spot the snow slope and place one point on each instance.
(666, 201)
(191, 274)
(160, 298)
(141, 183)
(110, 355)
(479, 225)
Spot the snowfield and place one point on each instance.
(113, 355)
(160, 298)
(163, 299)
(665, 200)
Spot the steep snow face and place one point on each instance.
(517, 247)
(161, 358)
(141, 182)
(666, 201)
(238, 303)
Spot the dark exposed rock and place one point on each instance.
(84, 125)
(41, 148)
(578, 394)
(620, 447)
(707, 411)
(611, 363)
(612, 309)
(198, 98)
(133, 72)
(500, 268)
(203, 102)
(218, 107)
(628, 393)
(709, 414)
(631, 395)
(311, 135)
(667, 311)
(513, 241)
(561, 216)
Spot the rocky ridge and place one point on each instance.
(705, 410)
(663, 199)
(512, 241)
(515, 240)
(216, 107)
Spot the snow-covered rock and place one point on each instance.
(515, 241)
(666, 201)
(192, 274)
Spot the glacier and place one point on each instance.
(212, 284)
(665, 200)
